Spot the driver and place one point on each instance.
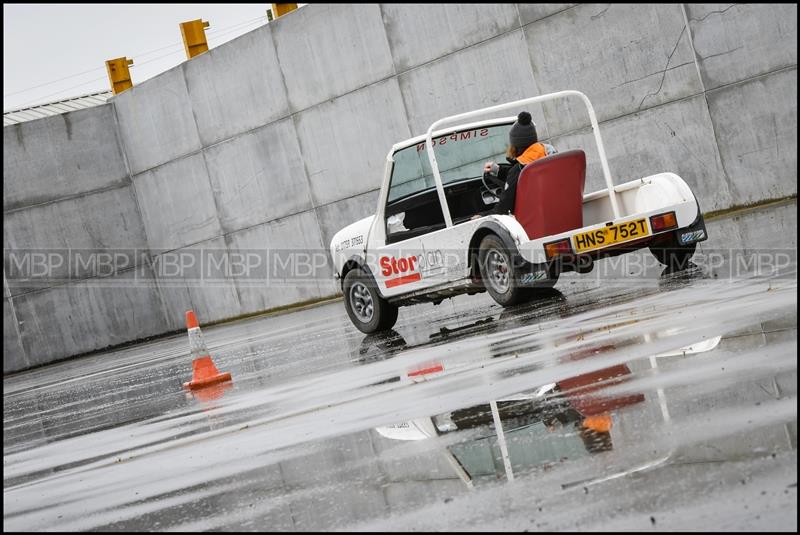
(523, 148)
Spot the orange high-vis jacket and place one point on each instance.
(534, 152)
(509, 193)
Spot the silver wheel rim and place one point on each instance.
(498, 271)
(361, 302)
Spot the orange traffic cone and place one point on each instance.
(204, 373)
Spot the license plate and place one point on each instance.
(602, 237)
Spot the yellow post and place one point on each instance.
(119, 75)
(194, 37)
(279, 10)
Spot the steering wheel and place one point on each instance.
(497, 187)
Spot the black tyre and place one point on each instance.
(368, 311)
(498, 272)
(672, 254)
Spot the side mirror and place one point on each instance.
(395, 222)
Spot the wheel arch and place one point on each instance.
(486, 228)
(356, 261)
(351, 263)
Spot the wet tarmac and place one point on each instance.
(629, 398)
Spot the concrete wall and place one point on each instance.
(278, 138)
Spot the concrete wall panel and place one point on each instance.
(93, 235)
(739, 41)
(756, 124)
(774, 221)
(156, 121)
(677, 137)
(455, 26)
(250, 94)
(197, 278)
(283, 253)
(89, 315)
(344, 142)
(177, 204)
(329, 50)
(335, 216)
(627, 58)
(14, 358)
(258, 176)
(492, 72)
(61, 156)
(532, 12)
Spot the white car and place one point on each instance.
(431, 238)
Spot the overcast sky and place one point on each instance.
(43, 43)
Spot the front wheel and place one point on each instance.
(672, 254)
(368, 311)
(498, 274)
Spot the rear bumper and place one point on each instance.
(543, 274)
(686, 213)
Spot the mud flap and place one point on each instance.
(535, 275)
(696, 232)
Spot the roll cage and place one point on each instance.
(378, 230)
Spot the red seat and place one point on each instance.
(550, 194)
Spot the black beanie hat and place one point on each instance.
(523, 134)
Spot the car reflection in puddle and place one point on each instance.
(550, 424)
(535, 429)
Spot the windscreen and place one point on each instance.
(460, 155)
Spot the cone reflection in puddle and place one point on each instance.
(211, 392)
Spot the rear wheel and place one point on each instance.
(672, 254)
(368, 311)
(498, 274)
